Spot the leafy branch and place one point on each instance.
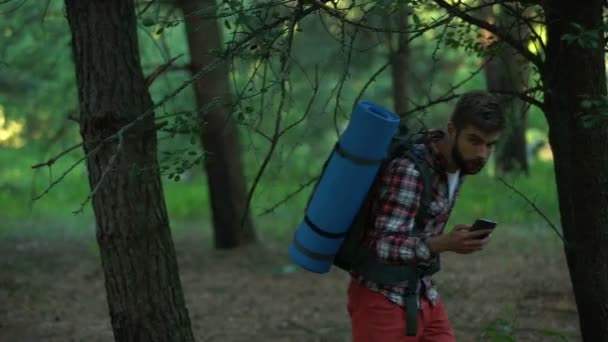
(500, 33)
(234, 49)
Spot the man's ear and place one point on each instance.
(451, 129)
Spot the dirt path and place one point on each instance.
(53, 291)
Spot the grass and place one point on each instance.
(188, 202)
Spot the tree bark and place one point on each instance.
(145, 297)
(219, 132)
(507, 72)
(400, 61)
(581, 156)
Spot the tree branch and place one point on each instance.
(103, 176)
(65, 173)
(233, 49)
(159, 70)
(454, 10)
(523, 96)
(285, 58)
(290, 196)
(534, 206)
(52, 161)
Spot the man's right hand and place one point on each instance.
(460, 240)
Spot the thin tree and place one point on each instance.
(399, 58)
(219, 132)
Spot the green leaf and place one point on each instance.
(416, 19)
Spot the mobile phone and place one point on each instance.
(481, 224)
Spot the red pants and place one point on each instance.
(376, 319)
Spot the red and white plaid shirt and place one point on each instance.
(392, 219)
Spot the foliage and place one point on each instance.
(332, 62)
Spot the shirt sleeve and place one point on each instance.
(397, 206)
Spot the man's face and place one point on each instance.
(472, 148)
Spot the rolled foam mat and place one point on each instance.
(343, 186)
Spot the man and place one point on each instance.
(378, 311)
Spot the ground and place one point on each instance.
(52, 290)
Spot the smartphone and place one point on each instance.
(482, 224)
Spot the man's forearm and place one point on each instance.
(437, 244)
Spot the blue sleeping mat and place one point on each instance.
(343, 186)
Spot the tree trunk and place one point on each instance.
(219, 133)
(400, 62)
(144, 293)
(581, 155)
(507, 72)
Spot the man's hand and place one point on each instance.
(460, 240)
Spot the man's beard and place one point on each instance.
(468, 167)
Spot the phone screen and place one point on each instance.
(481, 224)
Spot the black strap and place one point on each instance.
(356, 159)
(344, 153)
(368, 266)
(323, 233)
(311, 254)
(411, 310)
(390, 274)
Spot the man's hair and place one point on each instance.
(479, 109)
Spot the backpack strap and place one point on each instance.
(363, 261)
(427, 187)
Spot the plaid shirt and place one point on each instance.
(392, 220)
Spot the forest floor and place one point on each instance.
(52, 290)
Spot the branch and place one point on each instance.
(523, 96)
(388, 63)
(285, 58)
(308, 106)
(65, 173)
(290, 196)
(103, 176)
(491, 28)
(159, 70)
(449, 95)
(370, 81)
(525, 19)
(534, 206)
(233, 50)
(52, 161)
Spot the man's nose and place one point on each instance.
(483, 152)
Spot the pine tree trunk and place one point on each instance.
(219, 132)
(581, 155)
(145, 297)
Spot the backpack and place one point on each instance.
(352, 256)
